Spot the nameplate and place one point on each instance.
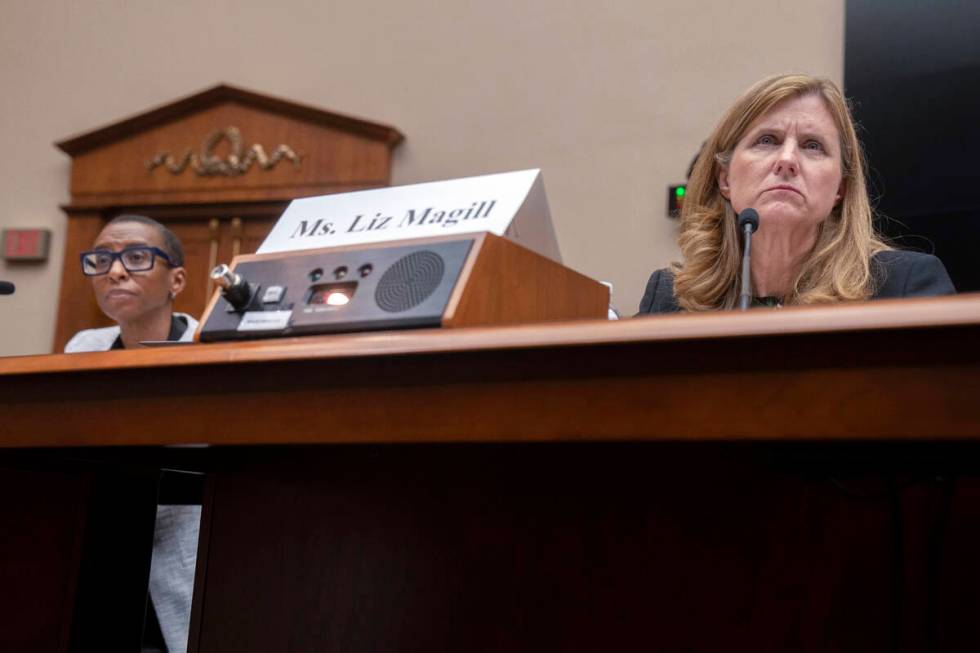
(264, 320)
(510, 204)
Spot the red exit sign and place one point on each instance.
(25, 244)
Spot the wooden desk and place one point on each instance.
(666, 483)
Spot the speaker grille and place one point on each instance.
(409, 281)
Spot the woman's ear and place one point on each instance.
(178, 279)
(723, 186)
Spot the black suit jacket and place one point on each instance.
(898, 274)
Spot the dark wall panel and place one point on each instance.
(912, 70)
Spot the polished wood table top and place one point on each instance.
(900, 369)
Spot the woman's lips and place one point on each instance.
(789, 188)
(118, 293)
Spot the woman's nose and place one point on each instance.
(788, 159)
(117, 270)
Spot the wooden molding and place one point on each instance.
(882, 316)
(219, 94)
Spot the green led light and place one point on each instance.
(679, 191)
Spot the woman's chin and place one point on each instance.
(782, 203)
(121, 311)
(786, 216)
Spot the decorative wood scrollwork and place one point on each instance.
(206, 164)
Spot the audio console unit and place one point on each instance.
(476, 279)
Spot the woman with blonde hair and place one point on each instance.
(788, 149)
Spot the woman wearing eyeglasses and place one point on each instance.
(136, 268)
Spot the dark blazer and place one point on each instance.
(897, 273)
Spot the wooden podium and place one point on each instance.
(797, 479)
(488, 280)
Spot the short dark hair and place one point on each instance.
(171, 244)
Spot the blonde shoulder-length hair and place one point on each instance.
(839, 266)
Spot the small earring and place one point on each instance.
(172, 295)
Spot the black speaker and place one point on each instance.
(410, 281)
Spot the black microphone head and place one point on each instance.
(6, 288)
(748, 217)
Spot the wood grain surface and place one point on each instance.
(901, 369)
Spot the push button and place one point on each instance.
(273, 295)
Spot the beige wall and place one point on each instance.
(611, 99)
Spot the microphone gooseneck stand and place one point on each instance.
(234, 288)
(748, 222)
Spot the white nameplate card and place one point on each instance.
(265, 320)
(510, 204)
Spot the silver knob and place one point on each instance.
(224, 277)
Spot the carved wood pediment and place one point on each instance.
(224, 145)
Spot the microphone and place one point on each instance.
(748, 222)
(234, 288)
(6, 288)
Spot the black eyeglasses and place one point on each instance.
(134, 259)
